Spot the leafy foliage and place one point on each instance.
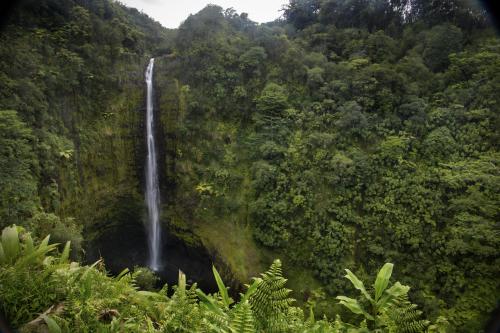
(390, 308)
(347, 134)
(90, 300)
(71, 76)
(361, 137)
(19, 169)
(270, 301)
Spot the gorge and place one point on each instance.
(346, 134)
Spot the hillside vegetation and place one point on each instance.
(347, 134)
(77, 298)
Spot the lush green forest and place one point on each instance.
(346, 135)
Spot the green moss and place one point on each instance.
(235, 246)
(178, 227)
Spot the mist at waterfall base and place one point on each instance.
(152, 185)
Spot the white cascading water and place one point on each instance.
(152, 186)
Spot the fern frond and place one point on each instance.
(242, 319)
(270, 301)
(216, 321)
(404, 317)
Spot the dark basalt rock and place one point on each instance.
(125, 246)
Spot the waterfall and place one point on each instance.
(152, 186)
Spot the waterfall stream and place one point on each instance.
(152, 186)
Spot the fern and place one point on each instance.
(404, 317)
(214, 313)
(216, 306)
(270, 301)
(216, 322)
(91, 301)
(26, 273)
(242, 320)
(182, 313)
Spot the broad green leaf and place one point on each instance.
(65, 254)
(251, 289)
(36, 255)
(354, 306)
(2, 255)
(29, 247)
(51, 324)
(208, 301)
(45, 242)
(398, 290)
(358, 284)
(181, 285)
(311, 318)
(222, 288)
(10, 243)
(383, 277)
(122, 274)
(395, 291)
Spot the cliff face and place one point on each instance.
(73, 71)
(73, 74)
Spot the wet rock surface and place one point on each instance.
(126, 246)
